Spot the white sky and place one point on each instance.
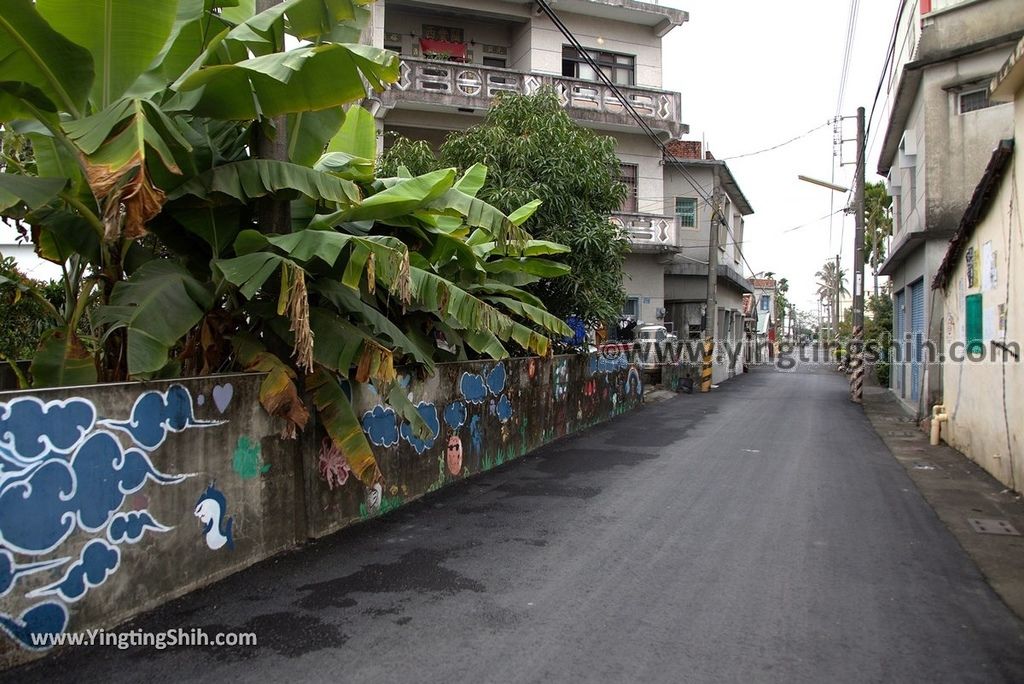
(753, 74)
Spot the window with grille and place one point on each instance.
(628, 176)
(974, 100)
(620, 69)
(686, 210)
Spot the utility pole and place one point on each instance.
(857, 348)
(711, 305)
(835, 303)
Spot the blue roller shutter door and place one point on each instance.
(917, 331)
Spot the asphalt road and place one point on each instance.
(762, 533)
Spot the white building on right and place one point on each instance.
(981, 283)
(941, 127)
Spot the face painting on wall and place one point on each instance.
(453, 455)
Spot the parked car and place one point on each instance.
(654, 342)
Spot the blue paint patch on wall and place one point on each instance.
(476, 434)
(455, 415)
(496, 380)
(31, 429)
(130, 527)
(504, 409)
(40, 507)
(157, 413)
(10, 571)
(429, 414)
(44, 619)
(381, 426)
(473, 388)
(98, 561)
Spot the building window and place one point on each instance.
(631, 307)
(686, 211)
(394, 47)
(620, 69)
(628, 176)
(974, 100)
(766, 303)
(495, 62)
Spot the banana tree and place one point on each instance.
(141, 120)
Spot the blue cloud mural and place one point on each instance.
(130, 527)
(455, 415)
(41, 506)
(473, 388)
(381, 426)
(496, 380)
(504, 409)
(429, 414)
(31, 429)
(98, 561)
(10, 571)
(156, 413)
(37, 626)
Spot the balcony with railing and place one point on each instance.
(649, 232)
(441, 84)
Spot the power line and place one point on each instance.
(851, 31)
(775, 147)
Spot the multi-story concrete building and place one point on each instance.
(940, 129)
(686, 271)
(456, 59)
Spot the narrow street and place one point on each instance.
(762, 533)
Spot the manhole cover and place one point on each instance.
(991, 526)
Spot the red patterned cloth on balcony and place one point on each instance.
(456, 52)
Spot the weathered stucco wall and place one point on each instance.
(115, 499)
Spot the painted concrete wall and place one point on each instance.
(115, 499)
(985, 400)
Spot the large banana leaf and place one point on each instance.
(32, 52)
(278, 393)
(402, 198)
(341, 424)
(348, 301)
(62, 361)
(33, 192)
(123, 36)
(309, 133)
(158, 305)
(536, 314)
(532, 265)
(301, 79)
(357, 136)
(252, 178)
(304, 19)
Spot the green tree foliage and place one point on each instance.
(877, 223)
(534, 150)
(139, 179)
(25, 306)
(878, 329)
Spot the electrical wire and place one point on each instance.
(851, 32)
(775, 147)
